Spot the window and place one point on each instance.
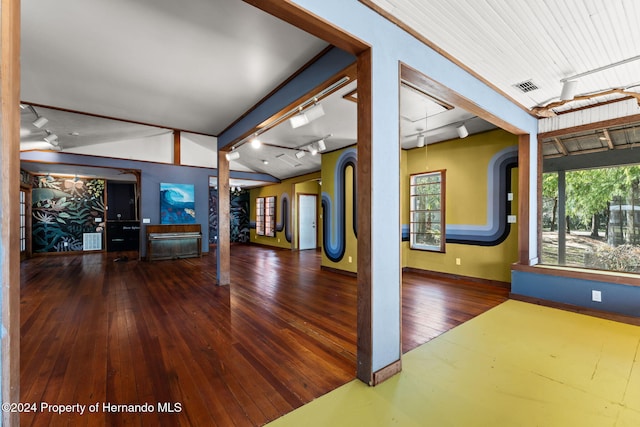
(270, 216)
(266, 216)
(427, 211)
(260, 216)
(591, 218)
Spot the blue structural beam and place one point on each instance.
(325, 67)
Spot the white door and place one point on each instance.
(307, 221)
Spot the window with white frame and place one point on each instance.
(266, 216)
(427, 211)
(260, 216)
(270, 216)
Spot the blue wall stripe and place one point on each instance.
(284, 223)
(333, 210)
(496, 230)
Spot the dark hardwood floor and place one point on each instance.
(96, 331)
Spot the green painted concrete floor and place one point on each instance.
(518, 364)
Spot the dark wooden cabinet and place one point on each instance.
(172, 241)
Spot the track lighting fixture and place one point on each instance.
(313, 150)
(569, 88)
(232, 155)
(300, 154)
(420, 143)
(298, 120)
(255, 142)
(306, 116)
(40, 122)
(321, 145)
(462, 131)
(51, 138)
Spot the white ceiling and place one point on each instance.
(193, 65)
(199, 65)
(509, 42)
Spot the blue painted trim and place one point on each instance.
(333, 214)
(334, 61)
(616, 298)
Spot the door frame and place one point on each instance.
(298, 195)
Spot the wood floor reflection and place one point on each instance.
(98, 331)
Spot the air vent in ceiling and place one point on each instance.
(526, 86)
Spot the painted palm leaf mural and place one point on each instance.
(63, 210)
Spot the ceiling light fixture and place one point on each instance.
(569, 88)
(265, 162)
(298, 120)
(255, 142)
(462, 131)
(313, 149)
(51, 138)
(321, 145)
(40, 122)
(420, 143)
(300, 154)
(569, 84)
(232, 155)
(307, 116)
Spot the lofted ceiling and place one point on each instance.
(199, 65)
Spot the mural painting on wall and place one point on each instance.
(334, 208)
(63, 210)
(177, 204)
(239, 212)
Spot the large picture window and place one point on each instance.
(266, 216)
(591, 218)
(427, 211)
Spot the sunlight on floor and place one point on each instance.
(517, 364)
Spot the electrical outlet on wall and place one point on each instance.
(596, 296)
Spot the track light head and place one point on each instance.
(300, 154)
(232, 155)
(321, 145)
(420, 143)
(255, 142)
(462, 131)
(569, 88)
(52, 139)
(40, 122)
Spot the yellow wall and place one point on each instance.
(348, 262)
(465, 161)
(289, 186)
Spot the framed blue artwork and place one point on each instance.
(177, 204)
